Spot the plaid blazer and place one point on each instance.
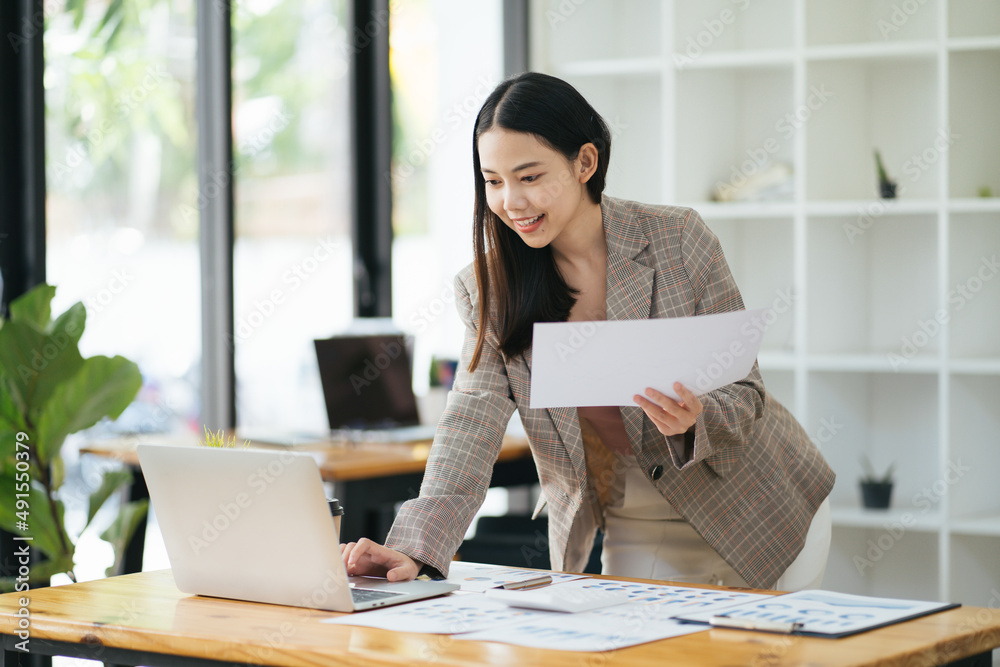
(749, 483)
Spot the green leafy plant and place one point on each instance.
(871, 477)
(47, 392)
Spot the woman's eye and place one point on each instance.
(492, 183)
(530, 179)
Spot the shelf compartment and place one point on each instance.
(628, 30)
(881, 562)
(871, 208)
(973, 18)
(975, 571)
(984, 524)
(974, 285)
(972, 160)
(871, 286)
(707, 27)
(974, 451)
(862, 106)
(899, 51)
(780, 385)
(910, 519)
(730, 126)
(769, 285)
(869, 22)
(891, 418)
(618, 67)
(871, 363)
(742, 210)
(736, 60)
(631, 107)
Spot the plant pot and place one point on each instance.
(876, 495)
(887, 189)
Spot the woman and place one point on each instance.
(723, 488)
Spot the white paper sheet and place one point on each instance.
(577, 364)
(480, 576)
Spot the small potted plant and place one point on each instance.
(886, 188)
(876, 490)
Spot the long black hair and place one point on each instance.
(519, 283)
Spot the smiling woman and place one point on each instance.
(723, 488)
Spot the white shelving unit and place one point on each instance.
(885, 336)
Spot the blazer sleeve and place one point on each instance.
(729, 414)
(467, 441)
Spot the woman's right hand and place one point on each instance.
(367, 558)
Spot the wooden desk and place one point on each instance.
(143, 619)
(368, 478)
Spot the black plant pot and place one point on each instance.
(876, 495)
(887, 189)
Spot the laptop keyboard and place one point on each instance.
(371, 594)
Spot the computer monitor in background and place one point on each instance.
(367, 381)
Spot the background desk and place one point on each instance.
(368, 478)
(143, 619)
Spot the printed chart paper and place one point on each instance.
(827, 614)
(647, 616)
(448, 615)
(577, 364)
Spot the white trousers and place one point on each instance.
(638, 543)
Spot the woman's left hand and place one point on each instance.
(669, 416)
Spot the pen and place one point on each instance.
(535, 582)
(749, 624)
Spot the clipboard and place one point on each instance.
(817, 613)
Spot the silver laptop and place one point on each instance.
(255, 525)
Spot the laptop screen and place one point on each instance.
(367, 381)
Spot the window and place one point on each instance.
(292, 263)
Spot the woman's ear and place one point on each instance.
(586, 162)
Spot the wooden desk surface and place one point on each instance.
(337, 462)
(146, 612)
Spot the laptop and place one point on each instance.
(368, 387)
(255, 525)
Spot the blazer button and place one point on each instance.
(656, 473)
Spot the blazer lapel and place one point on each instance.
(629, 295)
(629, 287)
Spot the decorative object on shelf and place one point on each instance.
(985, 191)
(48, 391)
(887, 188)
(876, 490)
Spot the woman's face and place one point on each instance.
(534, 189)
